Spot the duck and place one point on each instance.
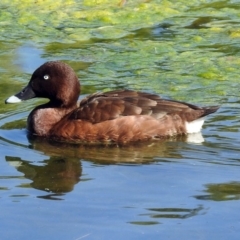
(117, 116)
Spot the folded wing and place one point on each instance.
(101, 107)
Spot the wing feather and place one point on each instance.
(101, 107)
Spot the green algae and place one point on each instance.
(168, 47)
(221, 192)
(80, 20)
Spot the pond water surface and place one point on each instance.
(183, 188)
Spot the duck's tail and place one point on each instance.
(195, 126)
(209, 110)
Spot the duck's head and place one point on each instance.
(54, 80)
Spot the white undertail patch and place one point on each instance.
(194, 126)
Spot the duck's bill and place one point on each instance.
(13, 99)
(25, 94)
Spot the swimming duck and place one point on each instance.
(119, 116)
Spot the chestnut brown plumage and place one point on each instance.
(119, 116)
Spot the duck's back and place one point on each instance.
(123, 116)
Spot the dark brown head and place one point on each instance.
(54, 80)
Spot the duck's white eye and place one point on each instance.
(46, 77)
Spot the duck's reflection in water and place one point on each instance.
(56, 175)
(61, 169)
(136, 153)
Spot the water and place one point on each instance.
(177, 188)
(142, 191)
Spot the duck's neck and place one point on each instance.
(44, 117)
